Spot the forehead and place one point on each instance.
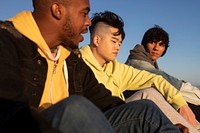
(114, 33)
(112, 29)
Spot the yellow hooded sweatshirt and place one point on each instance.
(118, 77)
(56, 85)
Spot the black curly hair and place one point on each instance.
(110, 19)
(156, 34)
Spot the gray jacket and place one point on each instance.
(140, 59)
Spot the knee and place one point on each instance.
(150, 93)
(141, 107)
(147, 103)
(74, 101)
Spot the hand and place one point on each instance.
(187, 113)
(182, 128)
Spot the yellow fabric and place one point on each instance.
(118, 77)
(26, 25)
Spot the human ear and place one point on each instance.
(56, 11)
(96, 40)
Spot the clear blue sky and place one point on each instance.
(180, 18)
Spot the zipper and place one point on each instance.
(51, 83)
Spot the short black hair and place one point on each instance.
(110, 19)
(156, 34)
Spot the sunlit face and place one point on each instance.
(156, 49)
(109, 46)
(76, 23)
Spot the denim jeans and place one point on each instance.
(76, 114)
(141, 116)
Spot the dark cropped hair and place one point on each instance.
(110, 19)
(156, 34)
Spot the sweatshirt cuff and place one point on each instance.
(178, 101)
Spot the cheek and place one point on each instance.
(149, 48)
(162, 51)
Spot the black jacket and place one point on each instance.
(23, 72)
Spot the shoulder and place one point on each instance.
(75, 59)
(7, 26)
(140, 64)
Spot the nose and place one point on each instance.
(156, 45)
(117, 46)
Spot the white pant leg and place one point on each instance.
(190, 93)
(168, 110)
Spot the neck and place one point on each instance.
(49, 34)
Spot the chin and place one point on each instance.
(70, 45)
(76, 44)
(81, 38)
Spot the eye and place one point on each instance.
(162, 44)
(85, 13)
(114, 41)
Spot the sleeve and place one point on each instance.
(98, 93)
(139, 79)
(11, 85)
(143, 65)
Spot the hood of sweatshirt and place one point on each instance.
(88, 56)
(139, 53)
(56, 84)
(26, 25)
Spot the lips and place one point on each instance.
(84, 31)
(115, 53)
(154, 54)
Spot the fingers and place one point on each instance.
(182, 128)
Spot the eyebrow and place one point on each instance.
(113, 37)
